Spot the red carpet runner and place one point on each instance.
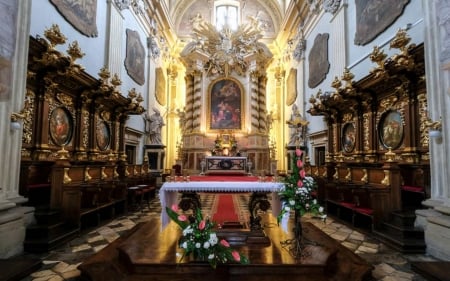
(225, 209)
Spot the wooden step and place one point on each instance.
(401, 244)
(43, 238)
(432, 270)
(19, 267)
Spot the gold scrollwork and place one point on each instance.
(386, 180)
(116, 174)
(64, 99)
(103, 174)
(87, 177)
(365, 177)
(66, 178)
(348, 177)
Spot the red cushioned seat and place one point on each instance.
(418, 189)
(40, 185)
(347, 205)
(366, 211)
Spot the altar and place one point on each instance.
(226, 165)
(168, 193)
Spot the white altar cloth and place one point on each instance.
(168, 193)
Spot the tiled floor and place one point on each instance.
(62, 263)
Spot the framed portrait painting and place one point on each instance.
(390, 129)
(348, 137)
(225, 105)
(103, 135)
(61, 126)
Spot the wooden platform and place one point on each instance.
(146, 252)
(432, 270)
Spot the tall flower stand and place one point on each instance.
(297, 246)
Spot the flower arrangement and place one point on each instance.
(199, 239)
(298, 192)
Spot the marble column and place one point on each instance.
(436, 219)
(13, 217)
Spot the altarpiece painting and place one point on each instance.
(225, 105)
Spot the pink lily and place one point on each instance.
(182, 218)
(236, 256)
(174, 207)
(298, 152)
(299, 184)
(224, 243)
(202, 225)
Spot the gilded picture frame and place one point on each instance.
(390, 129)
(225, 104)
(61, 126)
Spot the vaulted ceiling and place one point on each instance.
(278, 19)
(267, 12)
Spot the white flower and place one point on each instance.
(315, 202)
(321, 209)
(213, 240)
(184, 245)
(292, 202)
(211, 256)
(287, 208)
(198, 245)
(206, 245)
(187, 230)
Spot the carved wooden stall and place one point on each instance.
(73, 161)
(377, 137)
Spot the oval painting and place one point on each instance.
(348, 137)
(391, 129)
(103, 135)
(61, 126)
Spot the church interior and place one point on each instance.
(120, 113)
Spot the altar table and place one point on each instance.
(233, 184)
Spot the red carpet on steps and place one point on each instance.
(225, 211)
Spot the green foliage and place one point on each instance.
(299, 192)
(201, 241)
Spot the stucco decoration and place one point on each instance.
(374, 16)
(160, 87)
(291, 87)
(331, 6)
(135, 59)
(82, 14)
(318, 60)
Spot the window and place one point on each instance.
(130, 151)
(227, 14)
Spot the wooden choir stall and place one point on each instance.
(73, 168)
(376, 171)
